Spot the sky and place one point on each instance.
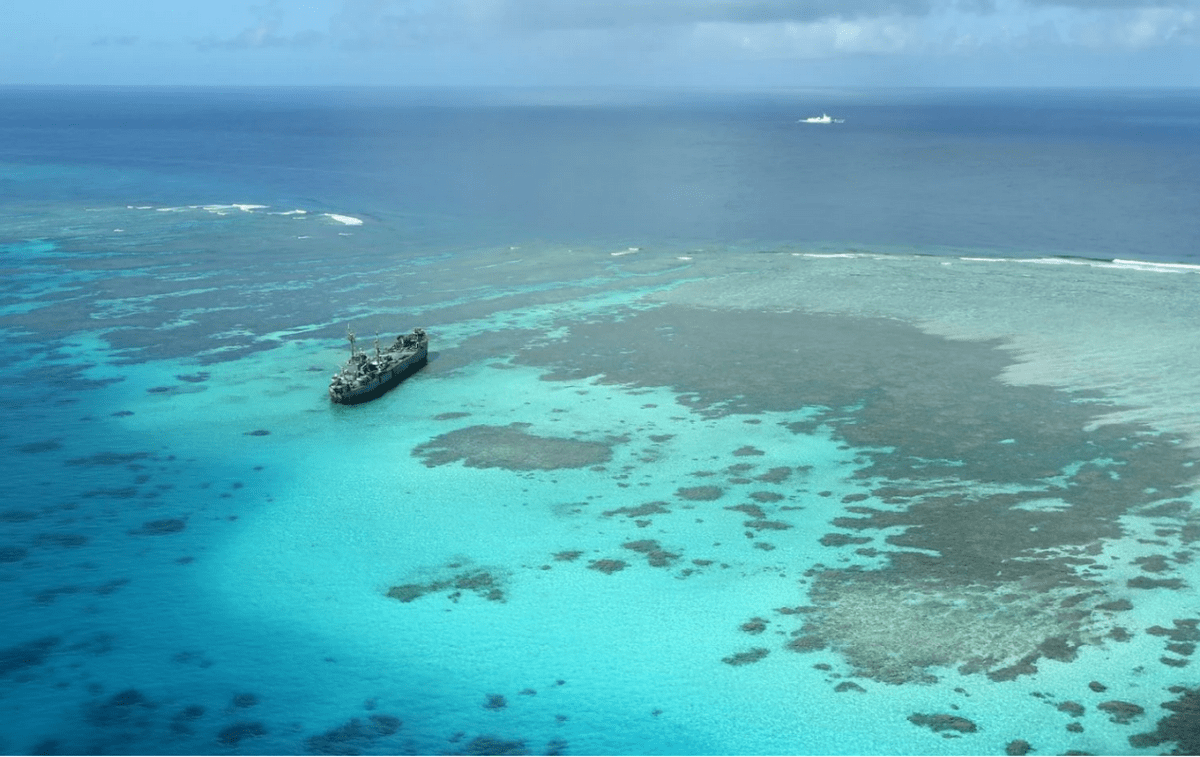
(688, 43)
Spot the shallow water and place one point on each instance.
(670, 498)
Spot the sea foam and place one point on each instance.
(347, 220)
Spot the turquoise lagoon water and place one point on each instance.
(650, 495)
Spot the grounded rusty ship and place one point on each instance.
(366, 376)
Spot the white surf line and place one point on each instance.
(347, 220)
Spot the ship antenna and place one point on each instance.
(376, 344)
(350, 336)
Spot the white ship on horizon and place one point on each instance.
(824, 118)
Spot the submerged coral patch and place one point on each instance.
(48, 445)
(1182, 726)
(655, 554)
(746, 658)
(747, 451)
(896, 630)
(641, 511)
(608, 567)
(10, 553)
(482, 583)
(26, 655)
(1120, 711)
(512, 448)
(161, 527)
(109, 458)
(233, 734)
(353, 736)
(700, 493)
(941, 721)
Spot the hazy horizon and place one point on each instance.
(583, 43)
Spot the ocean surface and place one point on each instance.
(739, 435)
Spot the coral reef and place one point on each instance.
(512, 448)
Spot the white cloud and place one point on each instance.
(268, 30)
(1140, 29)
(816, 39)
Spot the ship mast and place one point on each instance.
(350, 336)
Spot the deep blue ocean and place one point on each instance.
(739, 434)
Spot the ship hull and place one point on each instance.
(384, 383)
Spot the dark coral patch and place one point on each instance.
(841, 540)
(746, 658)
(655, 554)
(807, 643)
(754, 626)
(641, 511)
(1185, 630)
(479, 582)
(495, 702)
(109, 458)
(608, 567)
(1023, 667)
(765, 496)
(512, 448)
(941, 721)
(491, 745)
(245, 699)
(754, 511)
(121, 709)
(13, 554)
(1153, 563)
(1144, 582)
(1120, 711)
(768, 525)
(353, 736)
(26, 655)
(233, 734)
(700, 493)
(1182, 726)
(64, 541)
(161, 527)
(747, 451)
(775, 475)
(569, 555)
(48, 445)
(407, 592)
(645, 546)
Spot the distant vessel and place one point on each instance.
(824, 118)
(366, 376)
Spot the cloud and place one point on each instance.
(556, 14)
(264, 33)
(115, 40)
(675, 34)
(818, 39)
(1139, 29)
(399, 23)
(1112, 4)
